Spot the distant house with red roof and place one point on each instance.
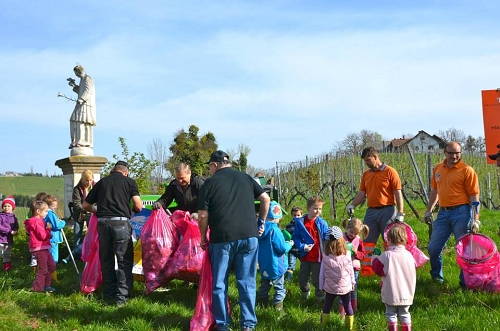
(421, 142)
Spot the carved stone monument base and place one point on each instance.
(72, 168)
(83, 151)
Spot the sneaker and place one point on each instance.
(278, 306)
(49, 289)
(65, 261)
(438, 280)
(33, 262)
(288, 275)
(305, 295)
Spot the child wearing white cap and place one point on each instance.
(336, 276)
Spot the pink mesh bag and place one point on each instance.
(478, 257)
(411, 245)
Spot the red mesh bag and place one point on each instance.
(91, 275)
(187, 261)
(203, 319)
(158, 241)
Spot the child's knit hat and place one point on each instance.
(335, 232)
(274, 211)
(10, 200)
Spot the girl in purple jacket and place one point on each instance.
(336, 276)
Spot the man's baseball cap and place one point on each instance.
(122, 163)
(219, 157)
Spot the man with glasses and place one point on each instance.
(455, 186)
(226, 205)
(113, 194)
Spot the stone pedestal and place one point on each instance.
(72, 168)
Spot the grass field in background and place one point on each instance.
(436, 307)
(32, 185)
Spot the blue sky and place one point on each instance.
(286, 78)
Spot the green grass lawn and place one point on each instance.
(436, 307)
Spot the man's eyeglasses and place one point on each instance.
(453, 153)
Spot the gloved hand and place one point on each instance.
(156, 205)
(400, 218)
(349, 209)
(428, 218)
(475, 226)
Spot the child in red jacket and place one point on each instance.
(39, 245)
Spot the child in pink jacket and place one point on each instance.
(39, 245)
(399, 277)
(336, 276)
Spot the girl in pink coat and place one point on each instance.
(39, 244)
(399, 277)
(336, 276)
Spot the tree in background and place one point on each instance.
(453, 134)
(355, 142)
(140, 168)
(242, 162)
(474, 145)
(158, 151)
(189, 148)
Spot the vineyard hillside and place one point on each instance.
(31, 185)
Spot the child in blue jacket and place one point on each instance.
(273, 261)
(57, 225)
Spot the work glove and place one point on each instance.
(400, 218)
(156, 205)
(428, 218)
(349, 209)
(475, 226)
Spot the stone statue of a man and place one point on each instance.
(83, 117)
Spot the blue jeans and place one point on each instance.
(447, 223)
(242, 255)
(77, 234)
(292, 261)
(279, 289)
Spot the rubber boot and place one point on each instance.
(324, 318)
(349, 322)
(7, 266)
(392, 326)
(406, 326)
(54, 276)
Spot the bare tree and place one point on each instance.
(369, 137)
(158, 151)
(352, 143)
(453, 134)
(480, 144)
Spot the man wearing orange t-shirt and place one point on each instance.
(455, 186)
(381, 187)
